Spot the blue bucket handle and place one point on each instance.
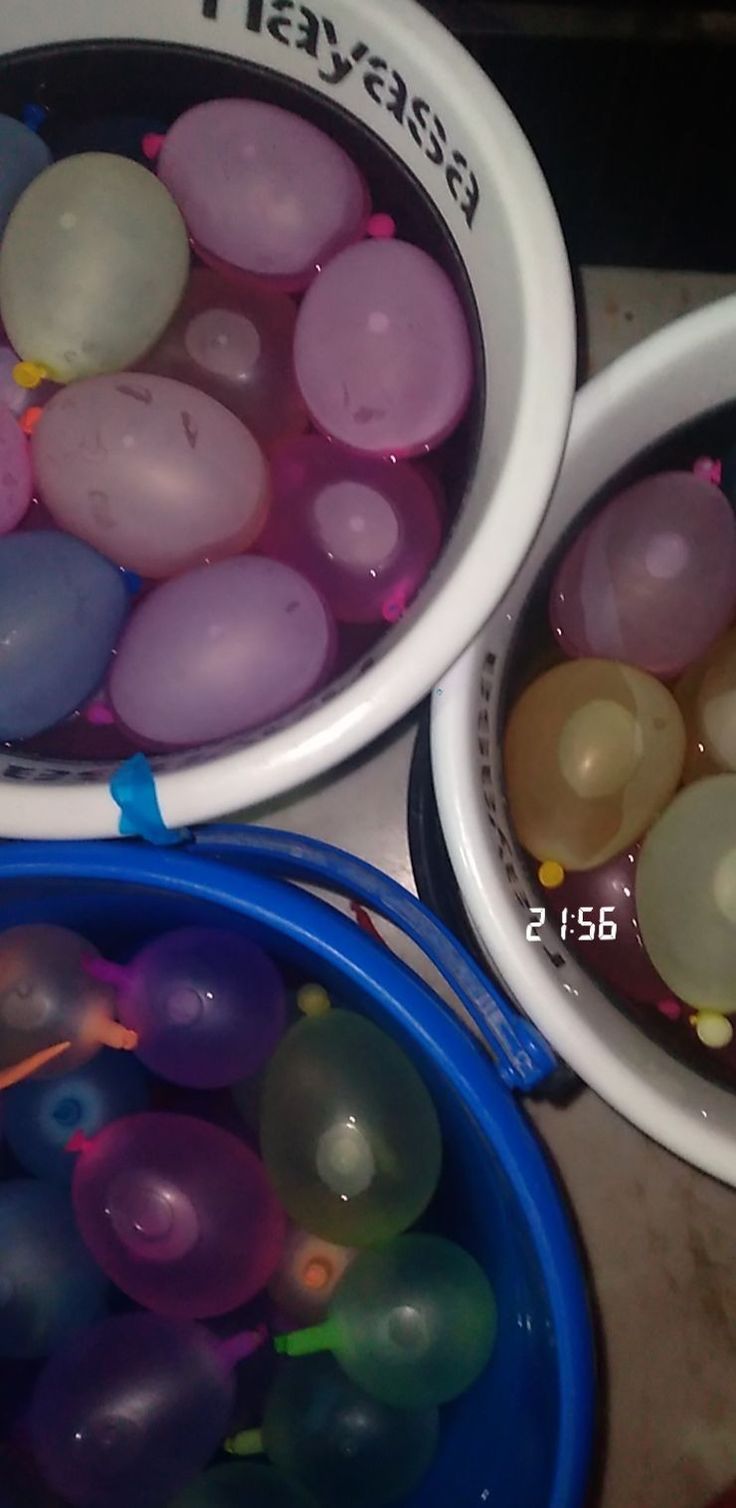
(521, 1055)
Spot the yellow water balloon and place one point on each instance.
(686, 894)
(93, 264)
(593, 751)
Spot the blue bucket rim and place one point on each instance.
(336, 940)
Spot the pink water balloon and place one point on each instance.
(652, 579)
(621, 961)
(208, 1006)
(263, 192)
(366, 533)
(382, 351)
(156, 475)
(236, 344)
(220, 651)
(16, 485)
(179, 1213)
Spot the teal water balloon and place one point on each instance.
(344, 1445)
(23, 155)
(41, 1115)
(349, 1133)
(243, 1486)
(49, 1285)
(412, 1322)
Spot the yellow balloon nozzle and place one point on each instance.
(551, 874)
(29, 374)
(712, 1028)
(312, 1000)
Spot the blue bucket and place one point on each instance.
(521, 1438)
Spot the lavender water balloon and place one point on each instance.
(178, 1213)
(23, 155)
(633, 585)
(49, 1285)
(42, 1114)
(221, 651)
(264, 193)
(208, 1007)
(155, 475)
(365, 533)
(16, 485)
(236, 344)
(382, 351)
(128, 1413)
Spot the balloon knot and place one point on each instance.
(79, 1142)
(551, 874)
(381, 227)
(29, 374)
(29, 420)
(152, 143)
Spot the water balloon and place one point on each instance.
(208, 1007)
(220, 651)
(178, 1213)
(365, 533)
(631, 586)
(42, 1114)
(92, 266)
(707, 697)
(236, 344)
(413, 1322)
(349, 1133)
(686, 894)
(382, 351)
(307, 1275)
(49, 1285)
(621, 960)
(593, 750)
(23, 155)
(243, 1486)
(343, 1444)
(61, 609)
(16, 484)
(264, 193)
(53, 1017)
(125, 1415)
(154, 474)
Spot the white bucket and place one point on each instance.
(395, 70)
(672, 379)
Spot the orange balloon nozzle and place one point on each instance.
(28, 1066)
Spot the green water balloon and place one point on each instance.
(93, 264)
(347, 1447)
(413, 1322)
(243, 1486)
(349, 1133)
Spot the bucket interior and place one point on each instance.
(106, 96)
(500, 1441)
(531, 651)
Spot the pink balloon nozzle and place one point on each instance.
(239, 1347)
(381, 228)
(151, 144)
(107, 973)
(708, 470)
(79, 1142)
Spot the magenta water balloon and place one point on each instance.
(16, 484)
(208, 1006)
(23, 155)
(220, 651)
(42, 1114)
(621, 961)
(263, 191)
(125, 1415)
(49, 1285)
(178, 1213)
(631, 587)
(382, 351)
(366, 533)
(61, 610)
(153, 473)
(237, 345)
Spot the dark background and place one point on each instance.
(631, 110)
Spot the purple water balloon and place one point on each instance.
(263, 192)
(220, 651)
(208, 1007)
(128, 1412)
(178, 1213)
(623, 961)
(366, 533)
(154, 474)
(652, 579)
(236, 344)
(16, 485)
(382, 351)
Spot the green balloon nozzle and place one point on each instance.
(316, 1338)
(249, 1442)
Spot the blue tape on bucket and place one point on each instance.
(133, 787)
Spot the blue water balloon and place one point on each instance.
(23, 155)
(49, 1284)
(40, 1115)
(61, 610)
